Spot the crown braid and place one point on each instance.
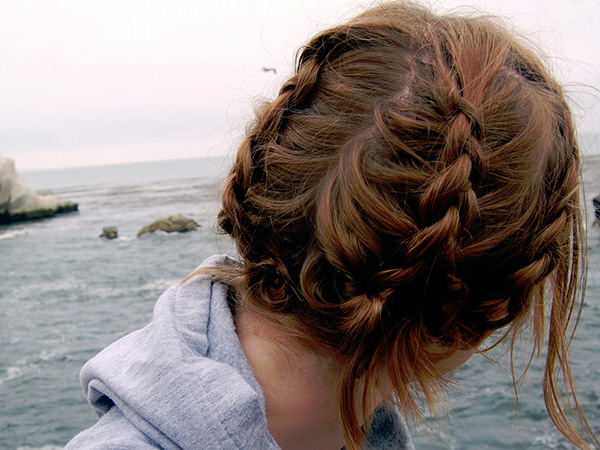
(412, 188)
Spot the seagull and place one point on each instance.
(270, 69)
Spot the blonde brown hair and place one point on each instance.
(413, 187)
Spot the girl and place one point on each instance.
(413, 189)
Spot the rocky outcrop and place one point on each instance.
(18, 201)
(109, 233)
(176, 223)
(596, 203)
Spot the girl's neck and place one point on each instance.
(301, 406)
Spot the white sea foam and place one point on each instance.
(47, 355)
(44, 447)
(25, 365)
(39, 289)
(549, 441)
(13, 234)
(12, 373)
(158, 285)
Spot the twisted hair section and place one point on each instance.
(413, 187)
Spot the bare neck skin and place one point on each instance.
(299, 395)
(300, 405)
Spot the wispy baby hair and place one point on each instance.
(413, 187)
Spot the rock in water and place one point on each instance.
(109, 233)
(596, 203)
(20, 202)
(176, 223)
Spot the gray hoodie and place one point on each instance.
(183, 382)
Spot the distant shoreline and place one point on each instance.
(127, 163)
(127, 173)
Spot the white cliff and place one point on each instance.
(18, 201)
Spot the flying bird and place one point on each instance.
(270, 69)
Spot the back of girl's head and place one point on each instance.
(413, 187)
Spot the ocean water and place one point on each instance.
(65, 294)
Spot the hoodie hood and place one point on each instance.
(184, 375)
(183, 381)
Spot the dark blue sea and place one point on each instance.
(65, 294)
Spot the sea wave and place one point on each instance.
(44, 447)
(26, 365)
(12, 373)
(13, 234)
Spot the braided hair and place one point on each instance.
(413, 188)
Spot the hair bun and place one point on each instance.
(362, 315)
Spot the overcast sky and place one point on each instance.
(87, 82)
